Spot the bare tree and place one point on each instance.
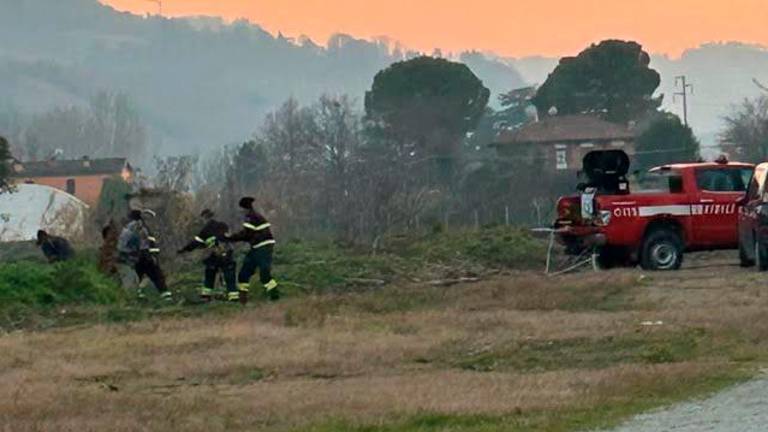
(175, 173)
(109, 127)
(5, 166)
(339, 133)
(747, 129)
(116, 126)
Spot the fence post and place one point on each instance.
(477, 219)
(506, 215)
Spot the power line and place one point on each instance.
(684, 94)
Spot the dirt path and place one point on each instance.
(743, 408)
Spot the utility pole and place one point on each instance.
(684, 86)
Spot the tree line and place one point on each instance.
(417, 156)
(109, 126)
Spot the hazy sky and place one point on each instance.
(508, 27)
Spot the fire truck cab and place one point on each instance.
(655, 217)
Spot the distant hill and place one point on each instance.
(721, 74)
(198, 82)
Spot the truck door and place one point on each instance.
(748, 213)
(715, 215)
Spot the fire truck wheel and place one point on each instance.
(761, 256)
(662, 250)
(744, 259)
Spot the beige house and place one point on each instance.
(560, 142)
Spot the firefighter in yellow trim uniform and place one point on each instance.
(257, 233)
(212, 237)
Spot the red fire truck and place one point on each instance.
(657, 216)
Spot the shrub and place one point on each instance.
(36, 284)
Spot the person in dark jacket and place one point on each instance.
(137, 248)
(212, 238)
(257, 233)
(54, 248)
(108, 250)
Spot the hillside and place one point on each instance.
(198, 82)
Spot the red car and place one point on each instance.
(669, 210)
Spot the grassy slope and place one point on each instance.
(34, 294)
(555, 355)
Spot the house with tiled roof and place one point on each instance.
(560, 142)
(83, 178)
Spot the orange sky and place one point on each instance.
(508, 27)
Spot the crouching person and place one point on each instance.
(257, 233)
(54, 248)
(135, 250)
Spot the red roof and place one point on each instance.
(566, 128)
(64, 168)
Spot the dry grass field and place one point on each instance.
(518, 351)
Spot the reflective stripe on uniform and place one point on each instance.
(199, 240)
(270, 285)
(204, 291)
(257, 228)
(152, 239)
(243, 287)
(154, 250)
(233, 295)
(264, 243)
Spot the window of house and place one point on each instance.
(71, 186)
(561, 159)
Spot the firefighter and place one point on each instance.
(212, 237)
(257, 233)
(54, 248)
(109, 235)
(137, 248)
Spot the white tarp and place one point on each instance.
(34, 207)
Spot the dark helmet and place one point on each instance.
(41, 236)
(246, 202)
(134, 215)
(207, 213)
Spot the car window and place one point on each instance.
(666, 181)
(722, 180)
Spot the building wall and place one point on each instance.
(87, 188)
(568, 156)
(561, 157)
